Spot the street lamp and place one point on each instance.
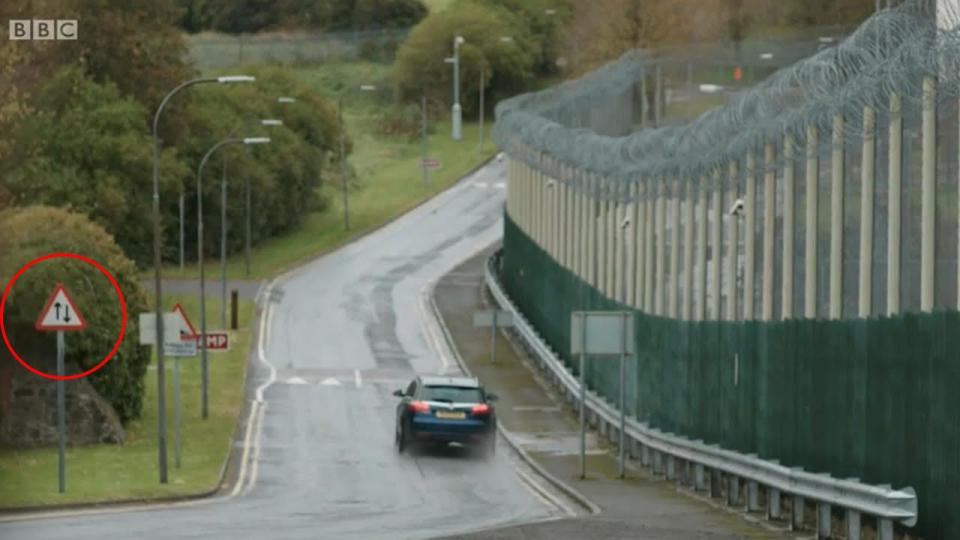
(203, 304)
(223, 224)
(457, 41)
(343, 158)
(157, 262)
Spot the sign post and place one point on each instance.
(601, 333)
(180, 340)
(493, 318)
(60, 314)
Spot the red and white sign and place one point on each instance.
(183, 327)
(60, 313)
(430, 163)
(217, 341)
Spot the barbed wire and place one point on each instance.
(889, 55)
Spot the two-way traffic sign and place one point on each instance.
(179, 335)
(60, 313)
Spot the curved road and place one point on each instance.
(339, 335)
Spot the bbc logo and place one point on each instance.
(43, 29)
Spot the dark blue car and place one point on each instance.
(443, 410)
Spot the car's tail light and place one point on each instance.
(481, 409)
(419, 407)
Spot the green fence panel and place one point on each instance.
(875, 399)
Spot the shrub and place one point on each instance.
(34, 231)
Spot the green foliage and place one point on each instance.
(509, 66)
(387, 13)
(85, 148)
(283, 175)
(403, 121)
(543, 21)
(248, 16)
(31, 232)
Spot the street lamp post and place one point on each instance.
(158, 261)
(457, 112)
(248, 213)
(223, 226)
(203, 304)
(343, 157)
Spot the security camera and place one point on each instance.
(736, 208)
(625, 223)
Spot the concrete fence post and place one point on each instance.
(632, 243)
(928, 195)
(789, 209)
(611, 236)
(659, 280)
(688, 227)
(733, 247)
(769, 228)
(700, 311)
(675, 247)
(640, 244)
(749, 238)
(811, 223)
(894, 176)
(867, 177)
(824, 521)
(797, 510)
(836, 219)
(716, 246)
(650, 193)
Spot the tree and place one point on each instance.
(85, 148)
(420, 66)
(34, 231)
(376, 14)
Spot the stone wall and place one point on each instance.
(28, 407)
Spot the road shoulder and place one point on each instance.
(545, 429)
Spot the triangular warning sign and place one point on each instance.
(184, 327)
(60, 313)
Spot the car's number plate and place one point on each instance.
(452, 415)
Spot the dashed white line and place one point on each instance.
(357, 379)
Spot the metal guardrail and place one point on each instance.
(888, 505)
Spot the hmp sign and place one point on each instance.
(43, 29)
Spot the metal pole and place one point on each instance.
(177, 412)
(836, 220)
(928, 196)
(343, 167)
(658, 281)
(493, 338)
(182, 235)
(481, 109)
(657, 97)
(223, 245)
(650, 196)
(203, 294)
(893, 204)
(811, 224)
(425, 172)
(61, 416)
(246, 247)
(688, 226)
(456, 89)
(866, 213)
(700, 313)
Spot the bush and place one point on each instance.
(419, 65)
(401, 121)
(35, 231)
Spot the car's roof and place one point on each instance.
(467, 382)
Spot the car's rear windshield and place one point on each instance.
(455, 394)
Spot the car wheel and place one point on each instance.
(400, 440)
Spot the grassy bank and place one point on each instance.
(129, 471)
(388, 179)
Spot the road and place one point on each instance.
(340, 334)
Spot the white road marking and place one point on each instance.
(330, 381)
(296, 380)
(501, 185)
(255, 467)
(357, 379)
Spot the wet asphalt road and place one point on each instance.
(345, 331)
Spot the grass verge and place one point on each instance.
(101, 473)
